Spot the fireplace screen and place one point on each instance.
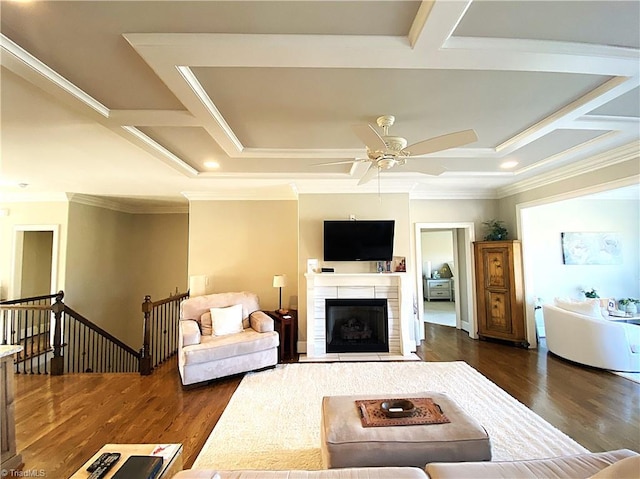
(357, 325)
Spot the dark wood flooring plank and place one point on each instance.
(596, 408)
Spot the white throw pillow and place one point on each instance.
(227, 320)
(590, 307)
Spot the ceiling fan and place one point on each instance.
(386, 151)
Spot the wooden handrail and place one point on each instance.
(26, 300)
(78, 317)
(175, 297)
(162, 327)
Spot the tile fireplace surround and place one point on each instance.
(394, 287)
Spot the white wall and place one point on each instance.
(437, 248)
(549, 277)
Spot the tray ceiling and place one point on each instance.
(96, 93)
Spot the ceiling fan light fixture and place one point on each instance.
(386, 162)
(395, 143)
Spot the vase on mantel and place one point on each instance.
(631, 308)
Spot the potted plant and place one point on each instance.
(496, 230)
(629, 305)
(590, 293)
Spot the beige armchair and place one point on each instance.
(206, 353)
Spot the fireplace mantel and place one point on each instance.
(395, 287)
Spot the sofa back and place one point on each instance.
(195, 307)
(595, 342)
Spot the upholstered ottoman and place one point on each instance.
(346, 443)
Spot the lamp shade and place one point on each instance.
(280, 281)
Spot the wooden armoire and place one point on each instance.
(500, 291)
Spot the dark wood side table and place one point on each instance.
(287, 328)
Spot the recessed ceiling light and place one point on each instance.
(508, 164)
(212, 164)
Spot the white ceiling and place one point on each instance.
(129, 99)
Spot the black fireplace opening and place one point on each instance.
(357, 325)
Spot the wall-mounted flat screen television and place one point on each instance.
(370, 240)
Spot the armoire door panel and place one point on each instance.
(499, 291)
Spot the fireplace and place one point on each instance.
(357, 325)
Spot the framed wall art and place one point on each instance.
(591, 248)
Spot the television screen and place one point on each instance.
(358, 240)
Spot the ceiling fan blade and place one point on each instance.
(369, 136)
(339, 162)
(368, 175)
(425, 169)
(443, 142)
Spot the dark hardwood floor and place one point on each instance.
(62, 421)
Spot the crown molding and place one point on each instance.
(623, 153)
(115, 205)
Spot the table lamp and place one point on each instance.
(280, 281)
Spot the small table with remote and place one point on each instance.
(171, 454)
(286, 324)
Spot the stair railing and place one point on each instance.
(27, 322)
(58, 340)
(160, 333)
(81, 346)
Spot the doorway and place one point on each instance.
(444, 275)
(34, 262)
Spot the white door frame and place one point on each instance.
(16, 259)
(469, 238)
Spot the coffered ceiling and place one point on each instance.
(133, 98)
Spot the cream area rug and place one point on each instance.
(273, 420)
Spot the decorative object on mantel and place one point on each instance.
(591, 248)
(400, 263)
(496, 231)
(590, 293)
(629, 305)
(280, 281)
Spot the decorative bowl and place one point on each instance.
(397, 408)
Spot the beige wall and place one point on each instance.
(314, 209)
(161, 243)
(115, 258)
(30, 214)
(455, 211)
(241, 245)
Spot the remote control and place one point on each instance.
(98, 462)
(105, 466)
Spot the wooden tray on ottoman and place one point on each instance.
(346, 443)
(426, 412)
